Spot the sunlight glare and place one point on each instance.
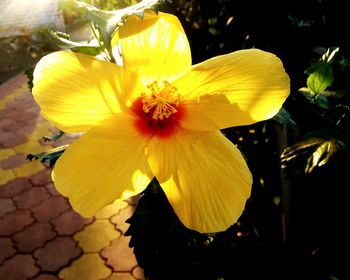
(27, 14)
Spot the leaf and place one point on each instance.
(314, 66)
(322, 101)
(53, 137)
(323, 154)
(344, 63)
(320, 79)
(51, 156)
(284, 117)
(107, 22)
(299, 149)
(329, 55)
(311, 153)
(29, 73)
(62, 41)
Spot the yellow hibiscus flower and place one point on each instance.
(157, 115)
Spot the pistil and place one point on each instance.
(160, 102)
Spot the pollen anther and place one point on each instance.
(160, 101)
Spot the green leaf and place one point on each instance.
(299, 149)
(49, 157)
(322, 101)
(320, 79)
(108, 22)
(29, 73)
(323, 154)
(53, 137)
(311, 153)
(284, 117)
(344, 63)
(62, 41)
(314, 66)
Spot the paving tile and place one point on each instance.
(33, 237)
(46, 277)
(15, 81)
(10, 139)
(26, 98)
(15, 187)
(119, 256)
(111, 210)
(28, 169)
(12, 83)
(4, 122)
(121, 217)
(87, 267)
(20, 116)
(6, 176)
(27, 129)
(70, 222)
(7, 249)
(31, 146)
(41, 129)
(13, 161)
(31, 197)
(52, 189)
(6, 206)
(42, 177)
(12, 126)
(57, 254)
(24, 103)
(33, 122)
(19, 135)
(121, 276)
(5, 153)
(5, 101)
(15, 221)
(138, 273)
(19, 267)
(50, 208)
(96, 236)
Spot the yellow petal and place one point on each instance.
(101, 165)
(76, 91)
(253, 81)
(204, 176)
(155, 47)
(212, 112)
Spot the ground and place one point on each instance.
(41, 237)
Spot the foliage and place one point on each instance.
(104, 24)
(52, 155)
(29, 73)
(329, 103)
(49, 157)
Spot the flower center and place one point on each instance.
(158, 110)
(160, 102)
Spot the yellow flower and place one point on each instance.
(157, 115)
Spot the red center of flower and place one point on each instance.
(158, 110)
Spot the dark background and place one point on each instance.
(295, 223)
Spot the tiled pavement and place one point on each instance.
(41, 237)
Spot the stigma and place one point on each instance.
(158, 110)
(161, 102)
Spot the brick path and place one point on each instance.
(41, 237)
